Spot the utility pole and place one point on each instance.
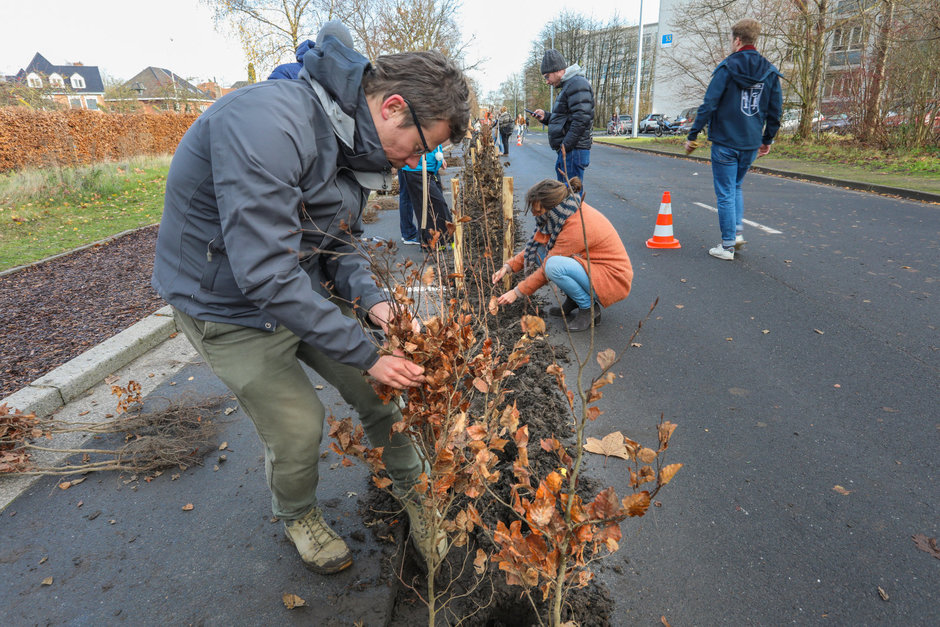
(639, 72)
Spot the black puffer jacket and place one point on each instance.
(572, 116)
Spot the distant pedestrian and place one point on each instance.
(504, 124)
(742, 108)
(571, 118)
(520, 128)
(568, 232)
(411, 206)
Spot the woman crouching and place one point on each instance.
(567, 232)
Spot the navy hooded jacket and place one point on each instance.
(743, 102)
(291, 70)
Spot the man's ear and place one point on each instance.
(392, 106)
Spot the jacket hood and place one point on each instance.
(571, 71)
(747, 67)
(335, 72)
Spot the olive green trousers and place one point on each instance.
(264, 372)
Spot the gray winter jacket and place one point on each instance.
(263, 202)
(572, 116)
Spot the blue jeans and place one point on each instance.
(573, 164)
(729, 165)
(571, 278)
(406, 212)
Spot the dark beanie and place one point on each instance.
(553, 61)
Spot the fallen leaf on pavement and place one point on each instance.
(223, 446)
(47, 581)
(927, 545)
(188, 507)
(292, 600)
(611, 444)
(882, 593)
(841, 490)
(229, 411)
(819, 332)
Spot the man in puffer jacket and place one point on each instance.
(572, 116)
(742, 108)
(258, 256)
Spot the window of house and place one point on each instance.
(77, 81)
(91, 103)
(75, 103)
(33, 80)
(848, 38)
(56, 80)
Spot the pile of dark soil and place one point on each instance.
(58, 309)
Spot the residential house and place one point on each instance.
(75, 85)
(158, 89)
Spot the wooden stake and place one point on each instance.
(507, 225)
(458, 232)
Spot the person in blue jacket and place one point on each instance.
(292, 70)
(742, 108)
(411, 207)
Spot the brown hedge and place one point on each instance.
(30, 138)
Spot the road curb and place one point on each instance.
(62, 385)
(901, 192)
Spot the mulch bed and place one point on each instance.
(54, 311)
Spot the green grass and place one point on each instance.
(835, 156)
(52, 210)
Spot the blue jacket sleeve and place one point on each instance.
(774, 111)
(710, 103)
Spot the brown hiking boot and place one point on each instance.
(321, 548)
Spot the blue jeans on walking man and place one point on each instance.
(573, 164)
(729, 165)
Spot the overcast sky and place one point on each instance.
(123, 37)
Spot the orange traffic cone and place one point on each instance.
(518, 139)
(662, 234)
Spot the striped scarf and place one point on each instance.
(549, 223)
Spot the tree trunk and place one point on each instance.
(872, 120)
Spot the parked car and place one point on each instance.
(790, 119)
(839, 123)
(685, 119)
(622, 126)
(650, 123)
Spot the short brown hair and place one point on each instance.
(549, 193)
(431, 82)
(747, 30)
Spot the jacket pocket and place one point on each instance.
(217, 276)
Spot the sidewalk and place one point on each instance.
(789, 169)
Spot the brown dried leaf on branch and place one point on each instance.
(612, 444)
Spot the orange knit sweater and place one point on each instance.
(611, 272)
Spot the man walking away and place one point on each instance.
(742, 108)
(571, 118)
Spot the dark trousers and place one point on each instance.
(505, 138)
(438, 212)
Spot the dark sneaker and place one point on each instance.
(320, 548)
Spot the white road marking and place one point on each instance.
(756, 225)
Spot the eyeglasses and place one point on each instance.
(414, 116)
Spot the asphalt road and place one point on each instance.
(811, 361)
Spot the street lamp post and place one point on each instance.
(639, 66)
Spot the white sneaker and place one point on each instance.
(409, 242)
(739, 241)
(720, 252)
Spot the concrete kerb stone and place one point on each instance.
(901, 192)
(60, 386)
